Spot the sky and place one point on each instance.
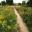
(19, 1)
(2, 0)
(16, 1)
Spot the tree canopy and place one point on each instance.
(9, 2)
(29, 3)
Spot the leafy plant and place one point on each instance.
(7, 20)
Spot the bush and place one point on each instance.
(7, 19)
(19, 3)
(28, 21)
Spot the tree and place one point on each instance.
(0, 3)
(10, 2)
(3, 3)
(29, 3)
(23, 3)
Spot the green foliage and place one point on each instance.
(28, 21)
(3, 3)
(7, 19)
(10, 2)
(26, 14)
(29, 3)
(19, 3)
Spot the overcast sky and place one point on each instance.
(20, 1)
(16, 1)
(2, 0)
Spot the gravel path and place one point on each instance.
(23, 27)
